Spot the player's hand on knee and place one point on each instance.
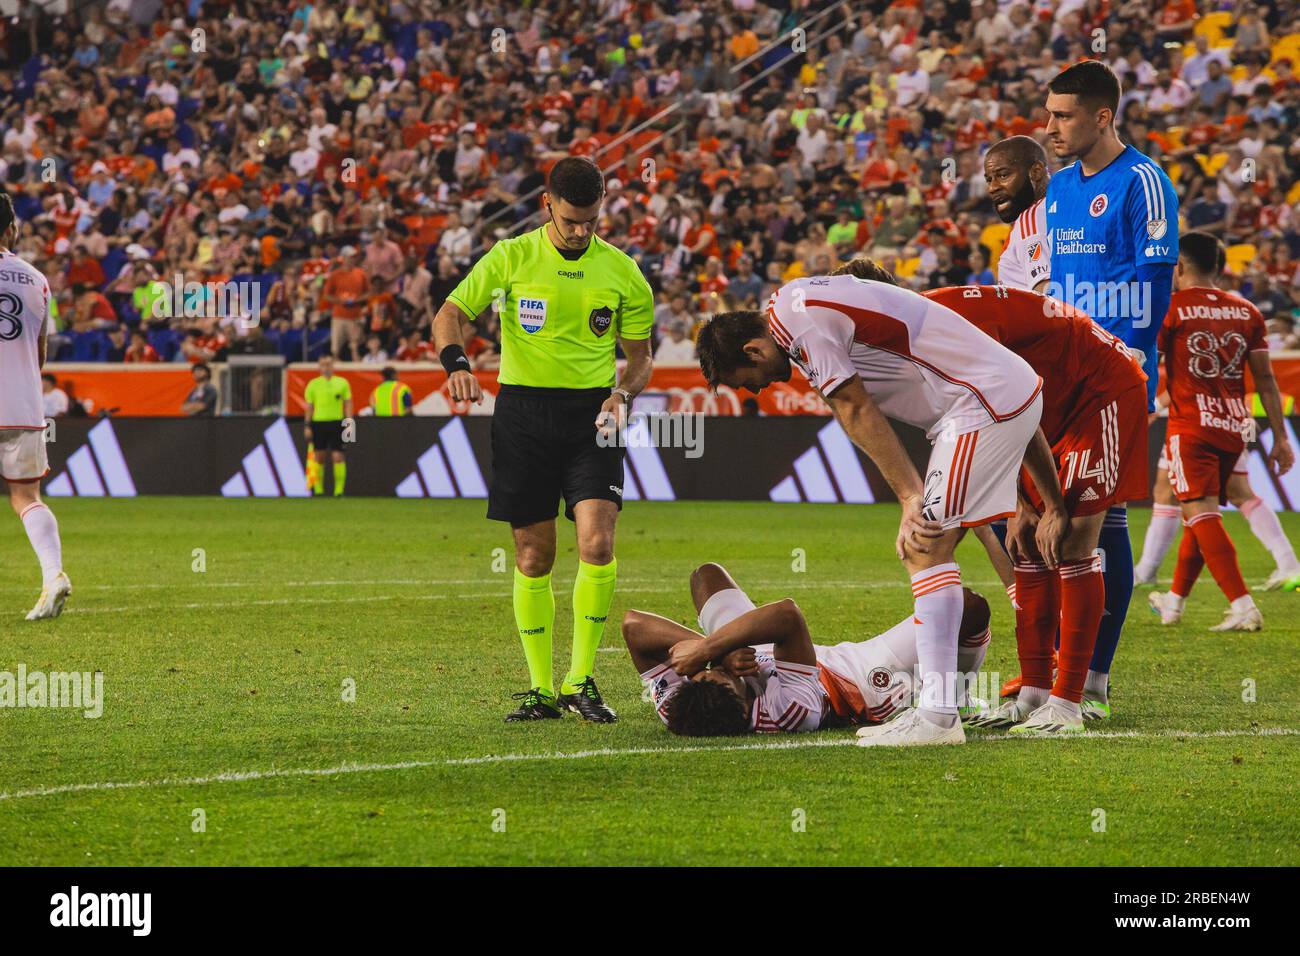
(1052, 529)
(1021, 529)
(915, 531)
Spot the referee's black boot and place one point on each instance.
(587, 703)
(535, 706)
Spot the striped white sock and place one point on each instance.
(43, 532)
(938, 608)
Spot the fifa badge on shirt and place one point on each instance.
(600, 320)
(532, 314)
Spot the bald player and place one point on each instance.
(1016, 172)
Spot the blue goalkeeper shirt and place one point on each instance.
(1114, 243)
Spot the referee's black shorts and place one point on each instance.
(327, 436)
(544, 449)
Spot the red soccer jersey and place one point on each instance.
(1073, 355)
(1206, 338)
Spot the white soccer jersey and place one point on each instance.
(24, 311)
(1026, 259)
(922, 363)
(787, 697)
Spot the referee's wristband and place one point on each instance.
(454, 359)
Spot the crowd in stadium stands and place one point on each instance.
(351, 160)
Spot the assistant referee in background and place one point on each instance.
(564, 296)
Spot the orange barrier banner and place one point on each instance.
(677, 389)
(126, 390)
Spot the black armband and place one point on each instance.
(454, 359)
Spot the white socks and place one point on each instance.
(938, 597)
(43, 533)
(1243, 603)
(1033, 697)
(1165, 522)
(1264, 523)
(1096, 686)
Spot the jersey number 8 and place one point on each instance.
(11, 308)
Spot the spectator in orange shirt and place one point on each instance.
(343, 298)
(140, 350)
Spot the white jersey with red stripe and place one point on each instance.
(24, 312)
(788, 697)
(921, 362)
(1026, 258)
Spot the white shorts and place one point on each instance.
(971, 478)
(22, 454)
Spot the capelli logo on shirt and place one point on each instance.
(568, 274)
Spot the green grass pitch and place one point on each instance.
(224, 693)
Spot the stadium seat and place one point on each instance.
(1239, 256)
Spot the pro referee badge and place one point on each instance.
(601, 319)
(532, 314)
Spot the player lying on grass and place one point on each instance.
(1208, 338)
(757, 670)
(874, 352)
(1094, 418)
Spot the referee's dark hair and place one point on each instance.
(576, 180)
(389, 373)
(1204, 252)
(720, 344)
(1093, 82)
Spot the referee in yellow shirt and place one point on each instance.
(564, 295)
(329, 402)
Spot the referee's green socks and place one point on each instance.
(535, 618)
(340, 476)
(593, 592)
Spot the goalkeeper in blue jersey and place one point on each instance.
(1112, 220)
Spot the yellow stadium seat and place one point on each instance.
(1213, 25)
(1293, 195)
(993, 238)
(1239, 257)
(1210, 165)
(906, 268)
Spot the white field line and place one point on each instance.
(468, 596)
(801, 742)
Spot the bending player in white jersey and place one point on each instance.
(756, 669)
(873, 350)
(24, 314)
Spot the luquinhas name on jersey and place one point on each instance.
(1226, 415)
(1070, 242)
(1106, 300)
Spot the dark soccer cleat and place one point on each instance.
(587, 703)
(535, 706)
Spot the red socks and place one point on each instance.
(1083, 599)
(1206, 542)
(1038, 611)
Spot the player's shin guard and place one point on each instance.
(938, 609)
(43, 532)
(1220, 555)
(1083, 597)
(1165, 521)
(1038, 596)
(1117, 570)
(1263, 522)
(593, 591)
(1188, 568)
(535, 617)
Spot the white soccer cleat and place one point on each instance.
(1143, 577)
(1095, 709)
(51, 601)
(1009, 713)
(1279, 579)
(1247, 619)
(1162, 604)
(1053, 719)
(912, 730)
(974, 707)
